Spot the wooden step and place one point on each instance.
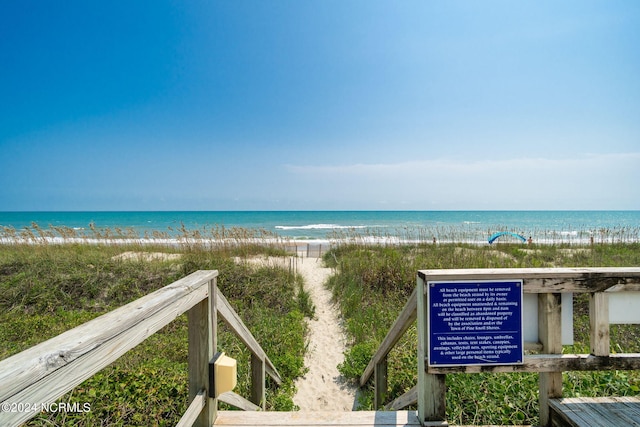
(322, 418)
(595, 411)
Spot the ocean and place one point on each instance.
(443, 226)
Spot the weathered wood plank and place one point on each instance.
(381, 383)
(400, 326)
(238, 401)
(29, 366)
(47, 371)
(633, 402)
(548, 280)
(550, 334)
(599, 323)
(598, 411)
(258, 389)
(193, 411)
(319, 418)
(409, 398)
(201, 350)
(552, 363)
(431, 387)
(211, 405)
(232, 319)
(549, 323)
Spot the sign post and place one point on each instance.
(475, 323)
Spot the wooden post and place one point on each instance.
(599, 323)
(211, 410)
(381, 383)
(550, 334)
(258, 392)
(202, 336)
(213, 315)
(431, 387)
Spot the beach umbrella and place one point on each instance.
(507, 233)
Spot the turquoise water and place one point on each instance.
(475, 226)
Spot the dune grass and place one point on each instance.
(372, 284)
(47, 289)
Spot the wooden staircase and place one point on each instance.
(50, 369)
(323, 418)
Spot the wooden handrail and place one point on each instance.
(552, 363)
(45, 372)
(550, 280)
(548, 283)
(400, 326)
(232, 319)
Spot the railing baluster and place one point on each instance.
(258, 392)
(200, 352)
(550, 335)
(599, 323)
(381, 383)
(431, 387)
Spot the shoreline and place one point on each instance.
(303, 244)
(313, 227)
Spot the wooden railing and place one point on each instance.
(45, 372)
(378, 364)
(549, 284)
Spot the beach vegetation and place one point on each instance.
(56, 278)
(372, 284)
(46, 289)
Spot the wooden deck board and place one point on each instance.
(593, 412)
(321, 418)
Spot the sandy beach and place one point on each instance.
(323, 388)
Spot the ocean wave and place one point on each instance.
(573, 233)
(317, 227)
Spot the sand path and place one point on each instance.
(323, 388)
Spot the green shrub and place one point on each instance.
(372, 284)
(47, 289)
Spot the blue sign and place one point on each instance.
(475, 323)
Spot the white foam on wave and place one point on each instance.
(365, 240)
(317, 227)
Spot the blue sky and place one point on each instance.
(279, 105)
